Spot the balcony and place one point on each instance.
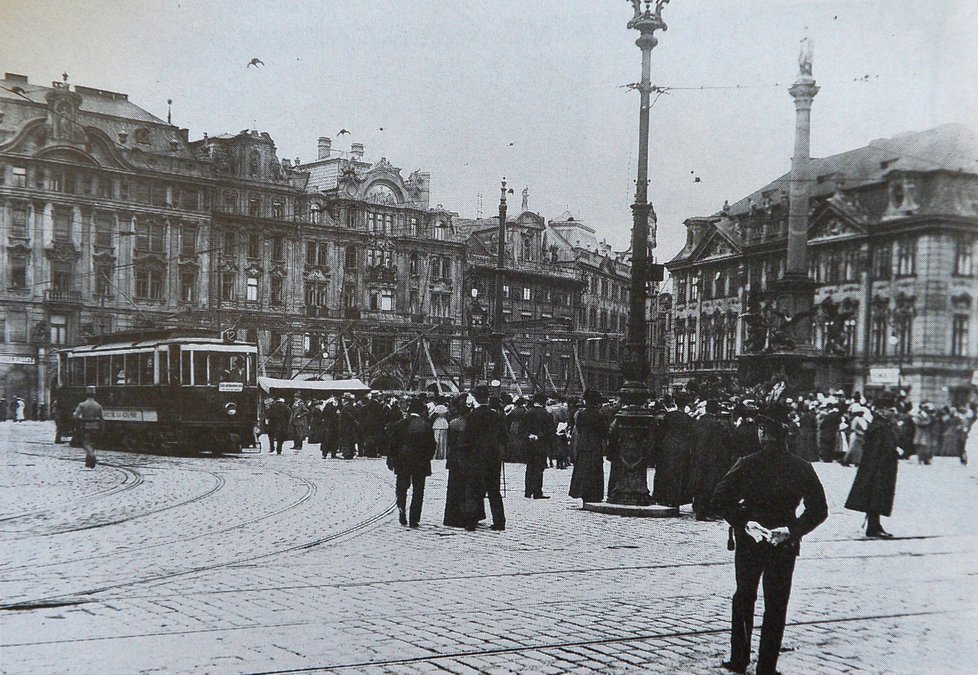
(62, 297)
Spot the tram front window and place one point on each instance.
(230, 366)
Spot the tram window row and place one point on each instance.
(147, 367)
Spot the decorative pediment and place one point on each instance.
(714, 245)
(253, 269)
(277, 271)
(19, 247)
(62, 251)
(104, 255)
(150, 259)
(835, 218)
(228, 266)
(833, 227)
(316, 273)
(187, 263)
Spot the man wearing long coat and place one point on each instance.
(710, 459)
(330, 423)
(373, 418)
(875, 484)
(590, 436)
(300, 422)
(539, 433)
(348, 428)
(279, 417)
(484, 439)
(669, 485)
(411, 449)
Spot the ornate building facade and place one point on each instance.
(103, 208)
(110, 219)
(893, 245)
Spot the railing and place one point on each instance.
(62, 296)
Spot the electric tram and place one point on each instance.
(166, 390)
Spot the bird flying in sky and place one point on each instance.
(255, 62)
(342, 131)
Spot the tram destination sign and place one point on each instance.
(230, 386)
(129, 414)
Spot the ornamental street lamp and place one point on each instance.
(634, 420)
(497, 315)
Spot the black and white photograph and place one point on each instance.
(535, 337)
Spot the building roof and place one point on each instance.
(951, 147)
(97, 101)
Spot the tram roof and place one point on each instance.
(155, 342)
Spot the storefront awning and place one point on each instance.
(328, 386)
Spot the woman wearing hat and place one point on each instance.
(590, 435)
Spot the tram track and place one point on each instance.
(219, 483)
(82, 597)
(310, 490)
(557, 645)
(131, 480)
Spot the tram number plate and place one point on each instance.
(128, 415)
(230, 386)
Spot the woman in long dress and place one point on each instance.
(439, 423)
(861, 419)
(590, 435)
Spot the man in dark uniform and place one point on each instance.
(759, 497)
(90, 419)
(538, 436)
(411, 450)
(484, 440)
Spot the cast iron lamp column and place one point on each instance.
(497, 314)
(634, 420)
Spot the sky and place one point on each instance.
(534, 91)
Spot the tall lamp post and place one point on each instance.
(497, 314)
(634, 420)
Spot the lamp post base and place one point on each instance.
(628, 483)
(650, 511)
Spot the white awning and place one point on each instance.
(329, 386)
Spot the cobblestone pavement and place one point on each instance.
(267, 563)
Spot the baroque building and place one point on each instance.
(102, 209)
(892, 244)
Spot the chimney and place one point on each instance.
(695, 229)
(324, 147)
(185, 135)
(356, 151)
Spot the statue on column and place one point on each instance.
(526, 200)
(806, 55)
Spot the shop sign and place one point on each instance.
(884, 376)
(17, 360)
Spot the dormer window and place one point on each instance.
(142, 136)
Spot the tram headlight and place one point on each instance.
(231, 408)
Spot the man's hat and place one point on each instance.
(540, 398)
(885, 399)
(776, 417)
(592, 397)
(90, 390)
(481, 393)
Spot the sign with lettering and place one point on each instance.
(129, 415)
(884, 376)
(18, 360)
(230, 386)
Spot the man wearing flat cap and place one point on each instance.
(90, 419)
(759, 498)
